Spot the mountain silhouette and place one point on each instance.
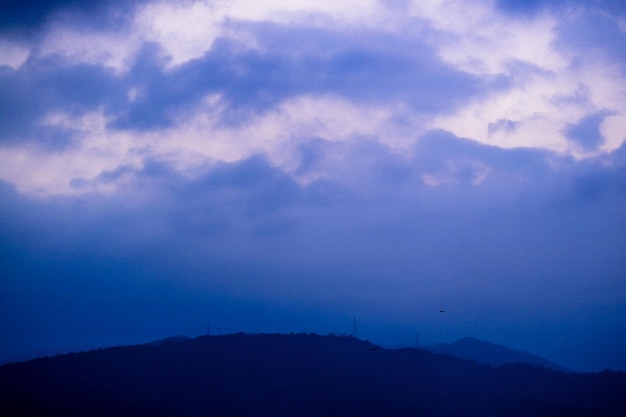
(491, 353)
(295, 375)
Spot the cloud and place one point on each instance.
(25, 17)
(281, 68)
(483, 238)
(376, 236)
(326, 158)
(594, 36)
(442, 73)
(532, 7)
(593, 183)
(39, 90)
(537, 58)
(30, 12)
(239, 199)
(527, 7)
(586, 133)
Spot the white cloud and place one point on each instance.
(13, 54)
(536, 106)
(547, 91)
(110, 49)
(34, 170)
(184, 29)
(187, 29)
(197, 139)
(477, 39)
(349, 11)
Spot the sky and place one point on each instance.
(287, 166)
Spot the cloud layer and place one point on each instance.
(287, 164)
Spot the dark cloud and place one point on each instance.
(26, 18)
(592, 35)
(48, 86)
(311, 153)
(251, 193)
(33, 12)
(245, 196)
(602, 179)
(365, 66)
(159, 92)
(586, 133)
(532, 7)
(502, 125)
(438, 147)
(391, 67)
(521, 7)
(614, 7)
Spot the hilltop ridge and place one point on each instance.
(294, 375)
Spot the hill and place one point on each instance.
(491, 353)
(295, 375)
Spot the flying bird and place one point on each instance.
(442, 311)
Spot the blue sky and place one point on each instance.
(286, 166)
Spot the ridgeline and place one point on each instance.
(295, 375)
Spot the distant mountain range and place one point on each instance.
(295, 375)
(491, 353)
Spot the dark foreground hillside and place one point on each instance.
(295, 375)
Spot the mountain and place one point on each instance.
(491, 353)
(295, 375)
